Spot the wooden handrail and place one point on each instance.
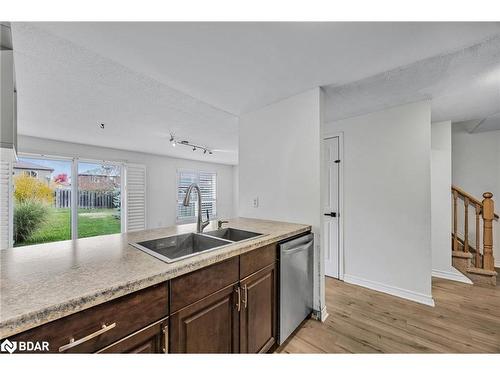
(471, 198)
(484, 210)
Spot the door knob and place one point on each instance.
(332, 214)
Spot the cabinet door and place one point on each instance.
(210, 325)
(258, 311)
(152, 339)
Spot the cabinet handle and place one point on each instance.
(245, 293)
(72, 342)
(165, 339)
(238, 302)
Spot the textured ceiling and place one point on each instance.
(144, 80)
(463, 85)
(243, 66)
(489, 124)
(65, 91)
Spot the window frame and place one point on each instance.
(193, 219)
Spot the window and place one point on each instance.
(31, 174)
(207, 181)
(41, 201)
(51, 203)
(99, 199)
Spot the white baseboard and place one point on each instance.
(320, 315)
(392, 290)
(454, 276)
(324, 314)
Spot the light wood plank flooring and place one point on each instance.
(466, 319)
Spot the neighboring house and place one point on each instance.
(98, 182)
(100, 179)
(40, 172)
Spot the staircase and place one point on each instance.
(471, 256)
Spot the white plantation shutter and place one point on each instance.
(6, 214)
(207, 181)
(136, 197)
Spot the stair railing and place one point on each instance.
(484, 213)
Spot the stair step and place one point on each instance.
(461, 254)
(481, 271)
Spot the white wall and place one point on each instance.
(161, 175)
(476, 169)
(441, 203)
(236, 190)
(279, 163)
(387, 200)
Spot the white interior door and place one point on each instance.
(330, 215)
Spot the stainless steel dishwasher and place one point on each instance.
(296, 283)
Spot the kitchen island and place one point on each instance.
(42, 284)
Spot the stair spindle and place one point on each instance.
(455, 236)
(466, 225)
(488, 216)
(478, 233)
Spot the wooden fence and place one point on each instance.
(86, 199)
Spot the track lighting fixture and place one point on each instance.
(195, 147)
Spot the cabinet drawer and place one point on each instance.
(257, 259)
(196, 285)
(90, 330)
(151, 339)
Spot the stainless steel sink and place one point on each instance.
(232, 234)
(173, 248)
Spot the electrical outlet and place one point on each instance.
(256, 202)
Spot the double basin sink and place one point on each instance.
(174, 248)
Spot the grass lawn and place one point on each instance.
(90, 223)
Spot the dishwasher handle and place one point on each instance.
(298, 248)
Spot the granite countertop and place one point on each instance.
(42, 283)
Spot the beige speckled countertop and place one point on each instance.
(42, 283)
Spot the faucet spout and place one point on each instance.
(200, 224)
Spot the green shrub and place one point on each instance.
(29, 216)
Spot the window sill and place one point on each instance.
(191, 221)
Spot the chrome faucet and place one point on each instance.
(220, 222)
(200, 225)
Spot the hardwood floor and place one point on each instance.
(466, 319)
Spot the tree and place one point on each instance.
(61, 178)
(31, 188)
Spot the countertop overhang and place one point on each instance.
(42, 283)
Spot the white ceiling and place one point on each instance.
(483, 125)
(146, 79)
(463, 85)
(243, 66)
(66, 91)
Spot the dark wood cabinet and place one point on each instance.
(240, 318)
(210, 325)
(98, 327)
(151, 339)
(258, 326)
(227, 307)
